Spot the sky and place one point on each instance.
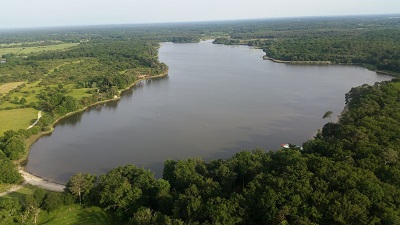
(48, 13)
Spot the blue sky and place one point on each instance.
(44, 13)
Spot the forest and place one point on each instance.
(347, 174)
(368, 41)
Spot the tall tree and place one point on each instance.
(80, 184)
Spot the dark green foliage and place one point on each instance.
(9, 173)
(13, 145)
(125, 189)
(39, 196)
(9, 211)
(52, 201)
(369, 41)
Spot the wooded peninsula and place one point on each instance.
(349, 173)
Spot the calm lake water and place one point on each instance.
(217, 100)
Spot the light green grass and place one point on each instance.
(5, 187)
(20, 194)
(74, 214)
(6, 104)
(5, 88)
(16, 119)
(80, 93)
(27, 50)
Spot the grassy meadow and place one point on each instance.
(16, 119)
(26, 50)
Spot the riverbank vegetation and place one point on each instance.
(348, 174)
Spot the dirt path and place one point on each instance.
(15, 188)
(38, 117)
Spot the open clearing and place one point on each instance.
(5, 88)
(27, 50)
(16, 119)
(75, 214)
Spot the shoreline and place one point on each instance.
(266, 57)
(48, 184)
(40, 181)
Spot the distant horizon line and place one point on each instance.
(189, 22)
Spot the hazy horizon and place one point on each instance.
(50, 13)
(185, 22)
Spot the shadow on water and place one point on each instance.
(63, 178)
(279, 134)
(76, 118)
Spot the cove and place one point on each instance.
(217, 100)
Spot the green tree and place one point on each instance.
(9, 211)
(81, 184)
(327, 114)
(125, 189)
(52, 201)
(22, 101)
(14, 148)
(39, 196)
(9, 172)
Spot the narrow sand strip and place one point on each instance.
(40, 182)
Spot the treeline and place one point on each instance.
(12, 147)
(348, 174)
(370, 41)
(377, 50)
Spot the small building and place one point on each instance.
(3, 61)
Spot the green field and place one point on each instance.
(27, 50)
(16, 119)
(80, 93)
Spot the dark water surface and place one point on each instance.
(217, 100)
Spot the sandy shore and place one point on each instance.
(40, 182)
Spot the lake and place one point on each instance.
(216, 101)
